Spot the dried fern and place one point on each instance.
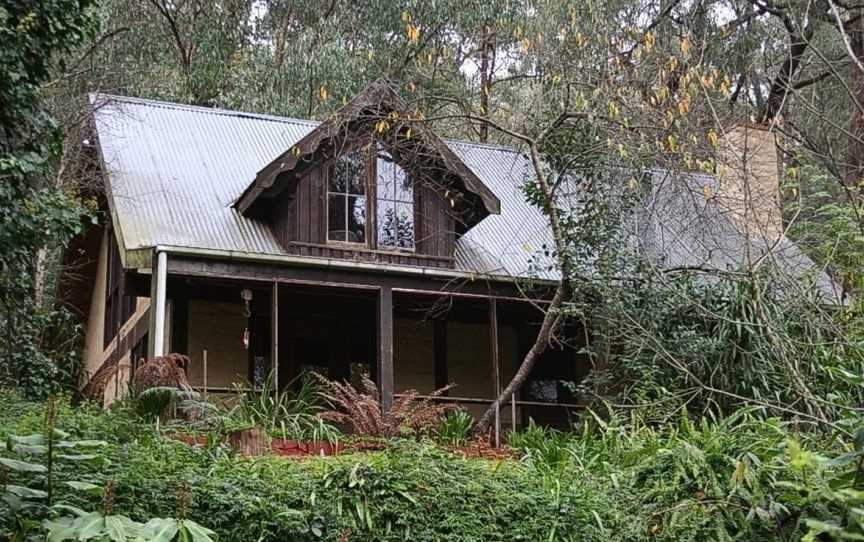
(360, 410)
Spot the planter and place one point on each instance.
(301, 448)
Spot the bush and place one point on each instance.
(740, 478)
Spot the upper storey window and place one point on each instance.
(395, 204)
(390, 201)
(346, 199)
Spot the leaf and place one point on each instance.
(93, 459)
(26, 492)
(859, 439)
(22, 466)
(29, 449)
(198, 532)
(29, 440)
(120, 528)
(82, 486)
(89, 526)
(160, 530)
(59, 529)
(65, 507)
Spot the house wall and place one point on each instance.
(413, 356)
(218, 328)
(94, 339)
(94, 354)
(469, 364)
(299, 219)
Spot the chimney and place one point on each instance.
(749, 180)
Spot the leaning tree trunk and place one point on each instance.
(551, 321)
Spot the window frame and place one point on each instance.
(369, 150)
(374, 179)
(330, 168)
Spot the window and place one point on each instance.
(346, 199)
(395, 204)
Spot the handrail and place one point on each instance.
(484, 401)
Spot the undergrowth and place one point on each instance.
(741, 478)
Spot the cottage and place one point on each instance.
(365, 244)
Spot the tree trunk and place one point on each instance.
(855, 152)
(249, 442)
(487, 69)
(551, 321)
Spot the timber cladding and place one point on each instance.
(298, 218)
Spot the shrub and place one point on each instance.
(455, 430)
(360, 409)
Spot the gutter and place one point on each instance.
(325, 263)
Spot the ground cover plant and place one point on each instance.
(745, 477)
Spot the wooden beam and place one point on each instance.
(496, 374)
(156, 347)
(274, 335)
(385, 346)
(346, 278)
(439, 352)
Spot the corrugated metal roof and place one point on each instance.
(174, 172)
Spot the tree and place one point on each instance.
(33, 36)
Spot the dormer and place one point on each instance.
(371, 183)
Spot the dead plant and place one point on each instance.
(360, 409)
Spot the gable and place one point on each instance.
(380, 115)
(173, 173)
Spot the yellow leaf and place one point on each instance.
(685, 46)
(707, 192)
(649, 41)
(323, 93)
(713, 137)
(672, 143)
(413, 32)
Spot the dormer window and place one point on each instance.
(395, 204)
(346, 199)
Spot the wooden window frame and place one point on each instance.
(329, 169)
(369, 148)
(373, 179)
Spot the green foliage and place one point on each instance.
(116, 528)
(544, 448)
(291, 413)
(456, 428)
(34, 214)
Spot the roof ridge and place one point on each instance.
(201, 109)
(263, 116)
(478, 144)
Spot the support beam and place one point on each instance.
(158, 281)
(385, 346)
(496, 374)
(439, 353)
(274, 336)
